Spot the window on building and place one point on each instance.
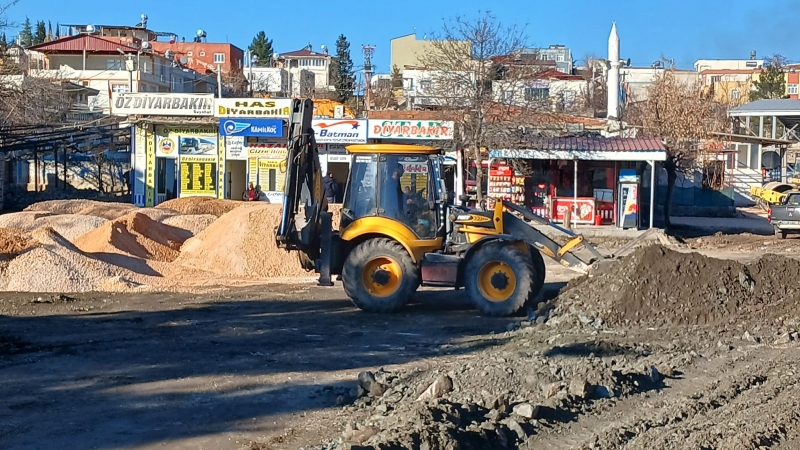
(425, 85)
(189, 53)
(792, 89)
(716, 79)
(735, 94)
(532, 94)
(202, 53)
(560, 57)
(219, 58)
(114, 64)
(119, 88)
(408, 83)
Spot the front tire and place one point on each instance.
(499, 279)
(379, 276)
(539, 273)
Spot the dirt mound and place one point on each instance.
(194, 224)
(655, 286)
(14, 241)
(106, 210)
(241, 244)
(137, 235)
(70, 226)
(55, 265)
(201, 205)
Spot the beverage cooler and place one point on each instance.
(628, 201)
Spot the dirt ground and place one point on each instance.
(277, 366)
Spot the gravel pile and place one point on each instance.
(137, 235)
(106, 210)
(70, 226)
(14, 241)
(55, 265)
(193, 223)
(201, 205)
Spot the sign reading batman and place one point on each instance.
(267, 128)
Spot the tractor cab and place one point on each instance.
(397, 182)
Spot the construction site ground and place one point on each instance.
(275, 366)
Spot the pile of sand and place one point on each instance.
(106, 210)
(241, 244)
(55, 265)
(201, 205)
(69, 226)
(14, 241)
(656, 286)
(135, 234)
(193, 223)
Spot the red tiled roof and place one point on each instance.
(303, 53)
(598, 144)
(81, 42)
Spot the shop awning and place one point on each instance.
(588, 149)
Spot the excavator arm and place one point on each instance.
(303, 199)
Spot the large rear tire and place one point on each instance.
(499, 279)
(539, 274)
(379, 276)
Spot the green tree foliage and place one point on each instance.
(58, 31)
(342, 73)
(261, 50)
(41, 33)
(3, 42)
(397, 78)
(26, 35)
(49, 31)
(772, 81)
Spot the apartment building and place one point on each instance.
(306, 68)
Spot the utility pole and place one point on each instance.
(368, 51)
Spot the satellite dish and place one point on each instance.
(276, 56)
(184, 60)
(323, 47)
(144, 18)
(628, 62)
(168, 54)
(90, 28)
(146, 45)
(201, 33)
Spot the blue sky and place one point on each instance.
(684, 30)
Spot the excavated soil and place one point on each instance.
(106, 210)
(70, 226)
(201, 205)
(194, 223)
(135, 234)
(14, 241)
(656, 286)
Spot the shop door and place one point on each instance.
(166, 179)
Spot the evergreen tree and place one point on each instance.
(771, 82)
(41, 33)
(58, 31)
(3, 42)
(26, 35)
(261, 50)
(342, 73)
(49, 31)
(397, 78)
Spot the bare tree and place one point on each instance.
(482, 78)
(685, 117)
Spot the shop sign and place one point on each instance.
(172, 141)
(198, 176)
(583, 210)
(347, 131)
(234, 148)
(249, 107)
(410, 129)
(162, 104)
(268, 128)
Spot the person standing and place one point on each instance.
(249, 194)
(329, 188)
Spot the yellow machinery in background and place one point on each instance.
(398, 232)
(772, 193)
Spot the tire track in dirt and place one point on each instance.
(754, 406)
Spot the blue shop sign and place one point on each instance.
(268, 128)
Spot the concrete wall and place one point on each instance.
(82, 173)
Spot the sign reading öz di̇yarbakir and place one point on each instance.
(162, 104)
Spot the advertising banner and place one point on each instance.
(234, 148)
(583, 210)
(411, 129)
(162, 104)
(346, 131)
(198, 176)
(268, 128)
(250, 107)
(172, 141)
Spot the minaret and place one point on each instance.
(613, 74)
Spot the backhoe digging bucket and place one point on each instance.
(575, 254)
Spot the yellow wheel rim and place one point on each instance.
(382, 276)
(496, 281)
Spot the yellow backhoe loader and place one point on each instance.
(397, 231)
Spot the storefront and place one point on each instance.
(334, 135)
(585, 176)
